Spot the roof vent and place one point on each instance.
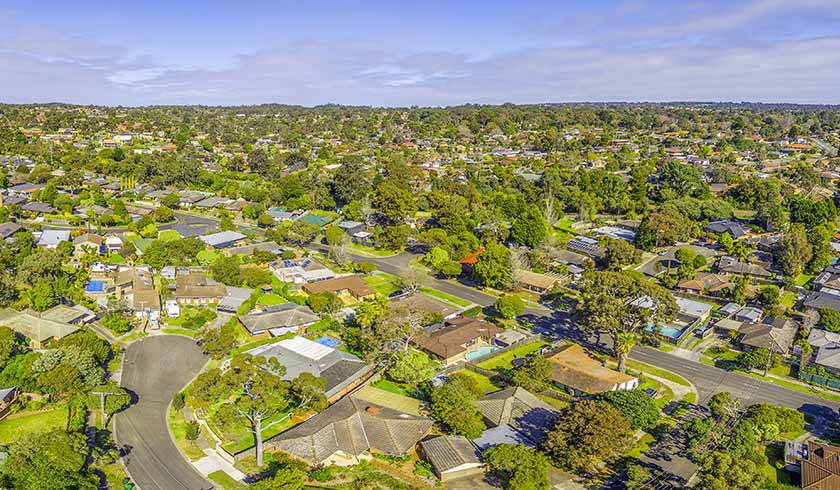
(372, 410)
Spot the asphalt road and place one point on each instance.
(708, 380)
(154, 369)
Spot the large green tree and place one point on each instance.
(622, 305)
(587, 433)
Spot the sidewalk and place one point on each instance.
(212, 462)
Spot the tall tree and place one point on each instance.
(622, 305)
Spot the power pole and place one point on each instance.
(102, 395)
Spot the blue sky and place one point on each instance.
(418, 53)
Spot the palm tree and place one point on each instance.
(624, 343)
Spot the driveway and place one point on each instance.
(154, 369)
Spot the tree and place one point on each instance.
(756, 358)
(157, 254)
(324, 302)
(410, 280)
(619, 253)
(372, 311)
(394, 202)
(493, 268)
(452, 405)
(587, 433)
(639, 408)
(163, 215)
(534, 374)
(54, 459)
(116, 323)
(722, 471)
(529, 228)
(519, 466)
(769, 295)
(664, 227)
(830, 319)
(259, 392)
(620, 304)
(412, 368)
(42, 296)
(723, 404)
(637, 477)
(793, 251)
(11, 345)
(333, 235)
(226, 270)
(509, 306)
(725, 240)
(309, 392)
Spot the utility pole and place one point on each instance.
(102, 395)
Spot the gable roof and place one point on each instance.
(353, 426)
(449, 452)
(34, 326)
(449, 340)
(572, 366)
(821, 467)
(355, 284)
(221, 238)
(520, 409)
(293, 316)
(776, 339)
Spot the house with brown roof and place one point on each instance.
(349, 431)
(774, 333)
(355, 286)
(88, 242)
(535, 282)
(707, 283)
(459, 337)
(574, 369)
(820, 466)
(197, 289)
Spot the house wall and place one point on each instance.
(463, 471)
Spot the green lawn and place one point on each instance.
(775, 454)
(169, 235)
(802, 279)
(226, 481)
(180, 331)
(434, 293)
(247, 441)
(13, 429)
(207, 256)
(271, 299)
(641, 446)
(381, 285)
(655, 371)
(178, 426)
(788, 299)
(116, 259)
(484, 382)
(390, 386)
(505, 361)
(554, 402)
(369, 251)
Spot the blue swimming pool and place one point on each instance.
(95, 286)
(481, 352)
(669, 331)
(328, 342)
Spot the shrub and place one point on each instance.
(423, 469)
(192, 430)
(178, 401)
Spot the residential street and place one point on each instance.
(707, 379)
(154, 369)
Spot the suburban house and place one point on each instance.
(352, 227)
(341, 370)
(7, 397)
(417, 306)
(707, 283)
(113, 244)
(52, 238)
(37, 327)
(514, 416)
(574, 369)
(269, 246)
(354, 286)
(89, 242)
(731, 265)
(536, 282)
(456, 339)
(735, 229)
(234, 298)
(8, 229)
(222, 239)
(587, 246)
(775, 333)
(300, 271)
(349, 431)
(826, 349)
(819, 464)
(452, 457)
(817, 300)
(279, 320)
(197, 289)
(38, 208)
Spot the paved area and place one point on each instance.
(213, 462)
(154, 369)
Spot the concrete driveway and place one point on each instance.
(154, 369)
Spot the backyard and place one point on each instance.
(505, 361)
(18, 425)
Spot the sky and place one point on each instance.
(429, 53)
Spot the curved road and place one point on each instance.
(154, 369)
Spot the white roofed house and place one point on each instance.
(300, 271)
(52, 238)
(222, 239)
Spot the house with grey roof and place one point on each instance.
(734, 228)
(234, 299)
(51, 238)
(452, 457)
(826, 349)
(514, 414)
(348, 431)
(341, 370)
(222, 239)
(279, 320)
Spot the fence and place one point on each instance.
(820, 380)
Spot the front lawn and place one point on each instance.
(448, 298)
(225, 481)
(16, 426)
(169, 236)
(381, 285)
(271, 299)
(660, 373)
(178, 426)
(505, 361)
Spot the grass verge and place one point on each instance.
(178, 425)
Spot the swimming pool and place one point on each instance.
(669, 331)
(481, 352)
(94, 286)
